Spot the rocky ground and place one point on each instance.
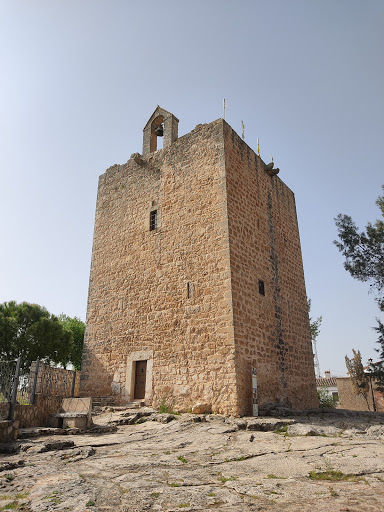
(145, 461)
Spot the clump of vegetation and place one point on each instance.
(271, 475)
(237, 459)
(330, 474)
(182, 459)
(282, 430)
(326, 400)
(155, 494)
(165, 407)
(224, 479)
(333, 493)
(54, 498)
(90, 503)
(182, 505)
(13, 505)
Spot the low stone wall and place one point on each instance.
(348, 399)
(8, 431)
(4, 410)
(55, 381)
(37, 415)
(379, 399)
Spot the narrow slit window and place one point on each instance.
(153, 220)
(189, 290)
(261, 287)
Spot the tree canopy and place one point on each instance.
(360, 380)
(77, 327)
(31, 332)
(378, 367)
(364, 260)
(364, 250)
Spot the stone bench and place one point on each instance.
(74, 413)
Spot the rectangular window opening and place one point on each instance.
(189, 290)
(261, 287)
(153, 220)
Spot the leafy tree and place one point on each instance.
(30, 331)
(364, 251)
(314, 324)
(360, 380)
(77, 327)
(364, 260)
(378, 368)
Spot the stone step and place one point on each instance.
(103, 401)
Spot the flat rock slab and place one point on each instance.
(214, 463)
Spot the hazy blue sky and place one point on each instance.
(80, 78)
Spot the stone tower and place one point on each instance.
(197, 291)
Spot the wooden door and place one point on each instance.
(140, 378)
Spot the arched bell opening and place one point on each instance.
(157, 133)
(160, 131)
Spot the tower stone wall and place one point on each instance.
(271, 329)
(183, 236)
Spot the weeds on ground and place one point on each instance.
(14, 505)
(54, 498)
(166, 408)
(237, 459)
(283, 431)
(224, 479)
(330, 474)
(182, 459)
(16, 496)
(333, 493)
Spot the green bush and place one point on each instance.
(326, 399)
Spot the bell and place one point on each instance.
(159, 130)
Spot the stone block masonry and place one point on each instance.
(196, 279)
(271, 326)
